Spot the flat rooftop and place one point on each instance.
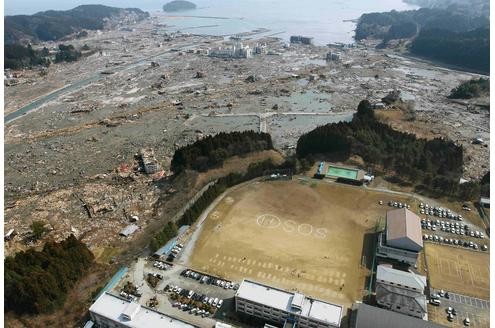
(114, 308)
(408, 279)
(283, 300)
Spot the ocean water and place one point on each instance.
(325, 20)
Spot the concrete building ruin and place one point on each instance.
(237, 50)
(301, 39)
(148, 161)
(333, 56)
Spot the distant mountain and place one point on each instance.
(473, 7)
(454, 35)
(385, 25)
(178, 5)
(54, 24)
(465, 49)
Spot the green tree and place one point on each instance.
(38, 229)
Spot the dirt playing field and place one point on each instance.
(294, 235)
(458, 270)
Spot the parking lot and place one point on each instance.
(172, 277)
(464, 300)
(475, 309)
(454, 234)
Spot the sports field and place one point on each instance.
(458, 270)
(294, 235)
(340, 172)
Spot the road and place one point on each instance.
(81, 84)
(263, 117)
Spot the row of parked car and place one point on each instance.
(398, 204)
(439, 212)
(129, 297)
(451, 227)
(174, 252)
(467, 244)
(162, 266)
(209, 280)
(192, 295)
(192, 309)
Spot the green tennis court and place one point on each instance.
(340, 172)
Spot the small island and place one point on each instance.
(178, 5)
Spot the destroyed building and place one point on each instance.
(333, 56)
(237, 50)
(301, 39)
(148, 161)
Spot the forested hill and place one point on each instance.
(54, 24)
(38, 281)
(378, 25)
(473, 7)
(211, 151)
(466, 49)
(434, 165)
(455, 35)
(178, 5)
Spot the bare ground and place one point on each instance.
(294, 235)
(458, 270)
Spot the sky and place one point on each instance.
(29, 7)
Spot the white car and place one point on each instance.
(435, 302)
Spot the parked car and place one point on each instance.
(435, 302)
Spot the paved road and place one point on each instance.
(79, 85)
